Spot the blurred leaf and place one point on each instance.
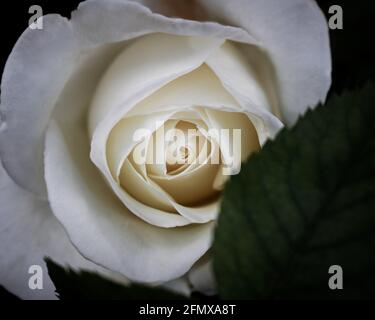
(85, 285)
(304, 203)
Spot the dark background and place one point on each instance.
(353, 49)
(15, 18)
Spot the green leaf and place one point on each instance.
(304, 203)
(85, 285)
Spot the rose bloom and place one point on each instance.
(74, 94)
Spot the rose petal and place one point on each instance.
(193, 187)
(147, 199)
(34, 75)
(137, 201)
(234, 120)
(143, 190)
(238, 76)
(123, 137)
(28, 233)
(101, 227)
(156, 155)
(247, 78)
(294, 34)
(139, 189)
(200, 87)
(138, 70)
(122, 20)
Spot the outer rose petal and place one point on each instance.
(34, 75)
(293, 33)
(29, 232)
(122, 20)
(42, 61)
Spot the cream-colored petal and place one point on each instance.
(200, 214)
(238, 76)
(233, 121)
(99, 225)
(152, 215)
(139, 70)
(156, 162)
(128, 133)
(142, 190)
(200, 87)
(193, 188)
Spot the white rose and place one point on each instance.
(74, 94)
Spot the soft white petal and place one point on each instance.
(246, 77)
(294, 34)
(145, 66)
(34, 75)
(103, 21)
(238, 75)
(200, 87)
(101, 227)
(29, 232)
